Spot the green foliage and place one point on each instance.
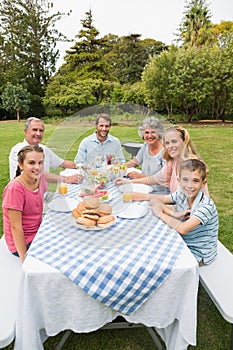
(195, 30)
(85, 57)
(15, 98)
(28, 40)
(192, 81)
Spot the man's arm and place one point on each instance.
(68, 164)
(81, 156)
(13, 162)
(73, 179)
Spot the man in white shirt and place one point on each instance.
(34, 131)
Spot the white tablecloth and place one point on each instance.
(50, 301)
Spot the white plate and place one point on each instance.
(133, 211)
(93, 228)
(63, 205)
(139, 188)
(69, 172)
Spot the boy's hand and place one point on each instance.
(138, 196)
(185, 214)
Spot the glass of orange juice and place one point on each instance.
(127, 191)
(62, 186)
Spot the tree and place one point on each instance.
(220, 70)
(158, 80)
(76, 94)
(85, 57)
(28, 39)
(223, 33)
(15, 98)
(195, 29)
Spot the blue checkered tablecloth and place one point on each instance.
(120, 266)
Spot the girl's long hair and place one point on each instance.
(22, 155)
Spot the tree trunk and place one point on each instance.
(18, 116)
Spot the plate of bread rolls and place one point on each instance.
(92, 214)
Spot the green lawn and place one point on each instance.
(215, 145)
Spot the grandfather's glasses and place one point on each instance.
(150, 132)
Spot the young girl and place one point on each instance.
(178, 146)
(23, 201)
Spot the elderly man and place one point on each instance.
(34, 131)
(100, 143)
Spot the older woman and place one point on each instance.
(150, 155)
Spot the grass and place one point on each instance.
(215, 145)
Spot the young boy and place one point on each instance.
(195, 216)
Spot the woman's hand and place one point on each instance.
(119, 181)
(135, 175)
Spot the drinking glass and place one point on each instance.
(62, 186)
(127, 191)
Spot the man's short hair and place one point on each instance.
(29, 120)
(192, 165)
(104, 116)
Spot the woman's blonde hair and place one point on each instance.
(189, 149)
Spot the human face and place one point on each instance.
(174, 144)
(191, 183)
(102, 129)
(150, 136)
(33, 165)
(34, 134)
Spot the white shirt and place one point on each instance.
(51, 160)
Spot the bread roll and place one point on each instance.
(105, 219)
(92, 203)
(104, 209)
(85, 222)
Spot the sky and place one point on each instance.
(154, 19)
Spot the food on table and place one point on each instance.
(87, 190)
(91, 212)
(103, 179)
(104, 221)
(86, 222)
(92, 203)
(104, 209)
(93, 171)
(103, 195)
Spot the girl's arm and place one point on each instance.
(15, 217)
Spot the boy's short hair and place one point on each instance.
(192, 165)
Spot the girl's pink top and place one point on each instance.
(18, 197)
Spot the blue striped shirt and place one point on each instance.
(202, 240)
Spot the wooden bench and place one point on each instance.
(217, 280)
(10, 272)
